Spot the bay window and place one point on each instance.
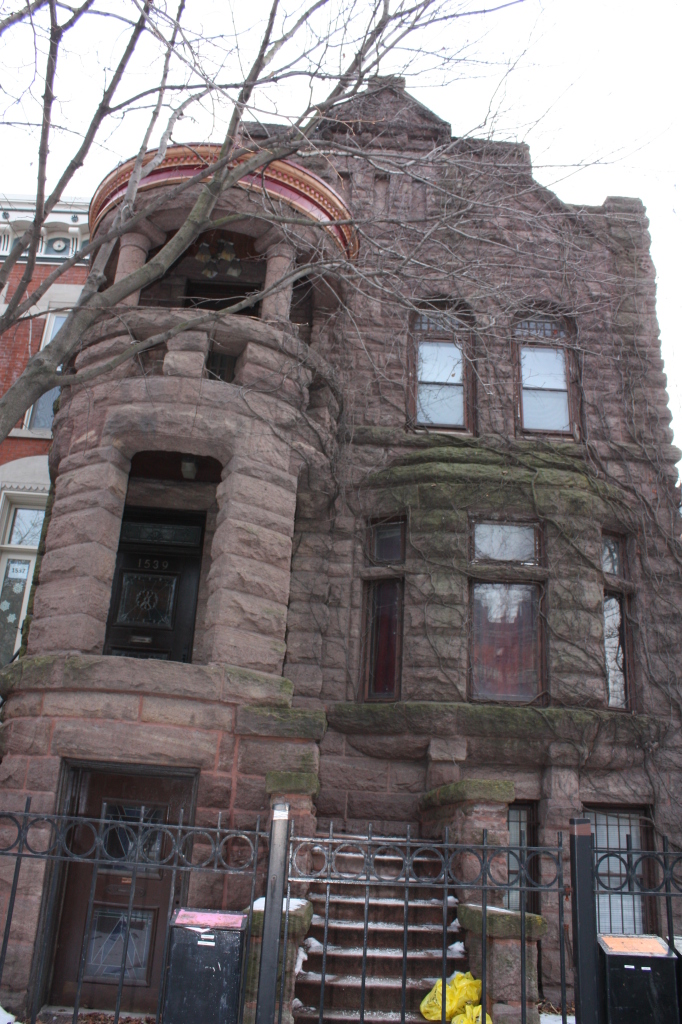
(506, 650)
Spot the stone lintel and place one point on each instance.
(499, 791)
(297, 723)
(501, 924)
(283, 783)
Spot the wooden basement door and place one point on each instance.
(120, 798)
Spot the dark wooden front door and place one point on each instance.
(154, 595)
(121, 799)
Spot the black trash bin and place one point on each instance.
(205, 962)
(639, 979)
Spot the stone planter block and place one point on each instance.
(300, 918)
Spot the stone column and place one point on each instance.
(186, 354)
(298, 789)
(560, 801)
(72, 598)
(251, 559)
(281, 258)
(133, 250)
(300, 919)
(503, 965)
(466, 808)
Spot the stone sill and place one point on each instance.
(503, 572)
(37, 433)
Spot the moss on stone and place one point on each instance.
(292, 782)
(499, 791)
(498, 721)
(293, 722)
(500, 924)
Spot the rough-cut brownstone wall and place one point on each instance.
(315, 440)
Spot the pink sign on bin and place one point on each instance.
(208, 919)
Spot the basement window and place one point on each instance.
(522, 822)
(620, 907)
(384, 612)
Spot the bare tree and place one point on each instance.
(332, 48)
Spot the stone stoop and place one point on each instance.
(384, 965)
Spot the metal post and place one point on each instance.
(15, 882)
(668, 894)
(562, 934)
(484, 925)
(523, 855)
(272, 917)
(585, 955)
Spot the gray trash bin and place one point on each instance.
(639, 979)
(205, 962)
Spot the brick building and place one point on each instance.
(24, 474)
(411, 522)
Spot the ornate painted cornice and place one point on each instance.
(281, 179)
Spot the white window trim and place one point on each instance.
(9, 500)
(26, 430)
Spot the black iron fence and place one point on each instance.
(354, 928)
(119, 938)
(618, 890)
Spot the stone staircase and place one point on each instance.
(385, 936)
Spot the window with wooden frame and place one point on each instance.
(40, 416)
(383, 602)
(443, 389)
(506, 661)
(546, 376)
(617, 646)
(21, 524)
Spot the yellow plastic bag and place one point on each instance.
(432, 1004)
(462, 989)
(471, 1015)
(467, 989)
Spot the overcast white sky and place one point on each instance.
(595, 92)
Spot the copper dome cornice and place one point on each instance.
(281, 179)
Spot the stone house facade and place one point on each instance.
(411, 521)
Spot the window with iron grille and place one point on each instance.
(522, 822)
(621, 909)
